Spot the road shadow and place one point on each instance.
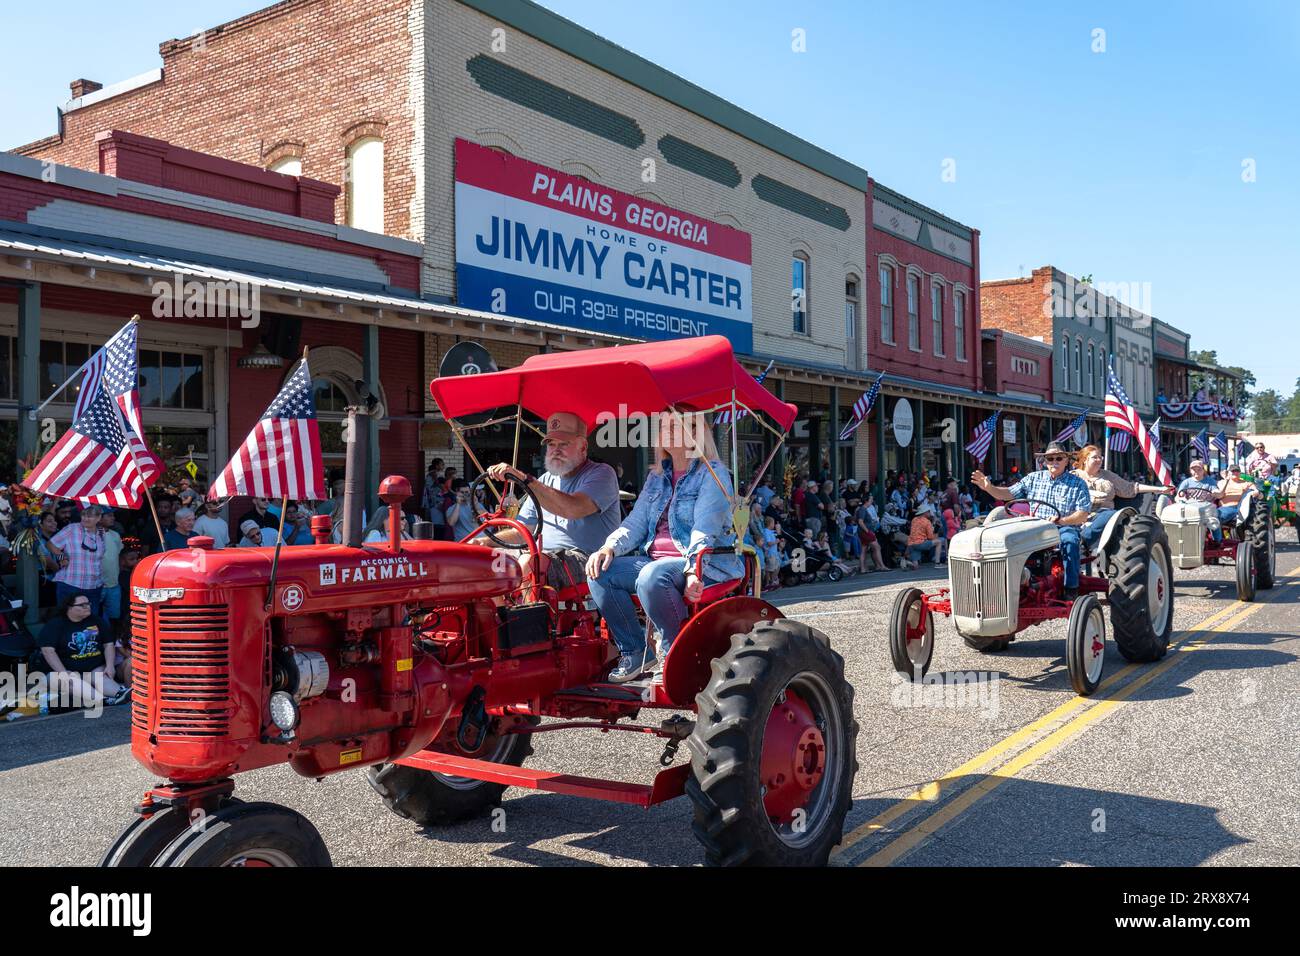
(35, 740)
(1031, 823)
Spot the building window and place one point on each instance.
(1065, 363)
(959, 323)
(1092, 381)
(887, 305)
(1024, 366)
(913, 312)
(1101, 371)
(1078, 366)
(799, 293)
(850, 308)
(365, 179)
(936, 316)
(289, 165)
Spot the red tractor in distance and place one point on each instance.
(433, 664)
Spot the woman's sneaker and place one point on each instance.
(631, 666)
(120, 697)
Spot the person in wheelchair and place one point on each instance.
(1055, 495)
(1104, 487)
(1200, 487)
(681, 511)
(579, 499)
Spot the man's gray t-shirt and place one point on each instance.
(597, 481)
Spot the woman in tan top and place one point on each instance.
(1104, 486)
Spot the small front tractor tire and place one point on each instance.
(248, 834)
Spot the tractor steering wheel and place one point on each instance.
(481, 514)
(1035, 501)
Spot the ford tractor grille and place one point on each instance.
(979, 588)
(192, 644)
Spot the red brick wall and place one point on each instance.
(233, 97)
(1019, 305)
(20, 194)
(1000, 376)
(899, 359)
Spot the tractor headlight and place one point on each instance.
(285, 713)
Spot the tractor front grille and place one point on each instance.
(979, 588)
(192, 667)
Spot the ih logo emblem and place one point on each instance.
(291, 598)
(328, 575)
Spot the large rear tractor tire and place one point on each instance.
(1261, 534)
(438, 799)
(1141, 589)
(248, 834)
(911, 634)
(1085, 645)
(773, 752)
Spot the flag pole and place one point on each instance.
(127, 432)
(279, 537)
(1106, 453)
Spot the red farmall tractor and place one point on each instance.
(1008, 575)
(433, 664)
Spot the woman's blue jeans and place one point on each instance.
(658, 584)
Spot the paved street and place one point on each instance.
(1191, 761)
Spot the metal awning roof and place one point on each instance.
(102, 256)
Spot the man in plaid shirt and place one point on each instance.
(82, 544)
(1065, 492)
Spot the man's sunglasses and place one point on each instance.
(84, 604)
(1055, 458)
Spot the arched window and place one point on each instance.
(365, 179)
(959, 323)
(851, 308)
(887, 305)
(1065, 363)
(799, 292)
(289, 165)
(914, 312)
(1101, 371)
(1092, 381)
(936, 316)
(1078, 366)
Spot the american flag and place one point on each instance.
(982, 437)
(1220, 442)
(1244, 448)
(1072, 429)
(1121, 414)
(102, 459)
(725, 416)
(1154, 432)
(1201, 442)
(861, 407)
(1119, 441)
(281, 457)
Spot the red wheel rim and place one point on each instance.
(794, 758)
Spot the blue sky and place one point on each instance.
(1124, 164)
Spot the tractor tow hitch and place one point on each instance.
(473, 717)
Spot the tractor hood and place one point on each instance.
(1012, 536)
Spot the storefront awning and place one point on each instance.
(61, 261)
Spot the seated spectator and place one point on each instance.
(296, 530)
(189, 496)
(254, 535)
(377, 528)
(79, 655)
(179, 535)
(922, 541)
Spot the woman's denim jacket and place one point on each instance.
(701, 518)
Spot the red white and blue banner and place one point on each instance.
(1216, 410)
(535, 243)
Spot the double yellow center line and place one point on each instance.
(1054, 730)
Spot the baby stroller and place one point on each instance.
(815, 566)
(16, 643)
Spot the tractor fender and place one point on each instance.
(1112, 526)
(704, 638)
(1244, 506)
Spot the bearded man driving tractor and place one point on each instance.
(579, 499)
(1056, 495)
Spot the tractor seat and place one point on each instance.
(716, 592)
(576, 593)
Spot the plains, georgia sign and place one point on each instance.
(540, 244)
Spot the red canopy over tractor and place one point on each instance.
(694, 374)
